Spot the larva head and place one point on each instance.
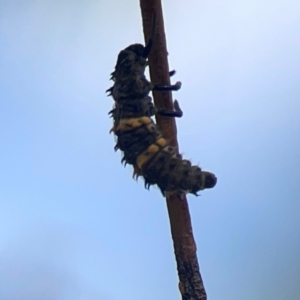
(131, 60)
(209, 180)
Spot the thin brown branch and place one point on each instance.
(190, 281)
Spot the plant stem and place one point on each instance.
(190, 281)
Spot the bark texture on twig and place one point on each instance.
(190, 281)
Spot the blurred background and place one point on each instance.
(75, 225)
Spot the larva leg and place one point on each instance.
(176, 113)
(163, 88)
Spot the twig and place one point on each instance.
(190, 281)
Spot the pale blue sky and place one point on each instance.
(74, 225)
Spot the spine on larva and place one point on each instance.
(139, 138)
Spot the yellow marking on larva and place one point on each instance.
(146, 120)
(128, 124)
(153, 148)
(133, 122)
(142, 159)
(146, 155)
(161, 142)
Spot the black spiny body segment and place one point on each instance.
(138, 136)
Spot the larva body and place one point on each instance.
(138, 136)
